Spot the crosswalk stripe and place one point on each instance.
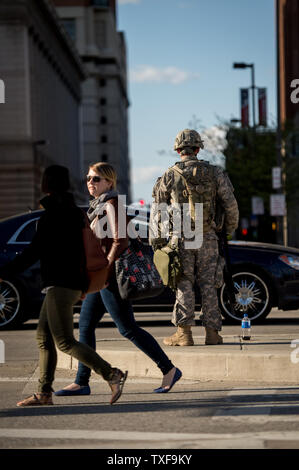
(237, 410)
(139, 436)
(195, 440)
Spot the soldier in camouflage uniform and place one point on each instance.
(209, 185)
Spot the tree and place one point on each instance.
(250, 155)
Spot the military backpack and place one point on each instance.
(195, 183)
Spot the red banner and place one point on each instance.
(262, 97)
(244, 107)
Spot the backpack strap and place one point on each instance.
(188, 192)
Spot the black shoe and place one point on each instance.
(178, 374)
(83, 390)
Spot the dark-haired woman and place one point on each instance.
(58, 244)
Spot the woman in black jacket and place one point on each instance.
(58, 244)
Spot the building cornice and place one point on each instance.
(42, 21)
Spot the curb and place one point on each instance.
(263, 360)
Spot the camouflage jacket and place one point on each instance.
(215, 192)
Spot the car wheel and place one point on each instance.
(10, 304)
(253, 296)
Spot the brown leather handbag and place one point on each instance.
(96, 260)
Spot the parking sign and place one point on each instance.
(277, 205)
(276, 177)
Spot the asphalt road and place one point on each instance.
(194, 415)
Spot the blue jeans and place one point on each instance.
(94, 307)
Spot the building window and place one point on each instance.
(69, 24)
(104, 157)
(102, 82)
(100, 28)
(103, 101)
(104, 139)
(103, 120)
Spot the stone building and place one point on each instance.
(40, 121)
(92, 26)
(287, 12)
(288, 45)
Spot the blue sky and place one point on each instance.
(180, 56)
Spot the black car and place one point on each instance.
(264, 276)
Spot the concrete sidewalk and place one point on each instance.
(265, 358)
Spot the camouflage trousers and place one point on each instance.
(199, 266)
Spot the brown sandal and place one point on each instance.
(116, 383)
(37, 399)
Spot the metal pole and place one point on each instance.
(283, 174)
(281, 220)
(253, 95)
(278, 131)
(278, 128)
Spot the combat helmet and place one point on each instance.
(188, 138)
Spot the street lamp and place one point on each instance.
(243, 65)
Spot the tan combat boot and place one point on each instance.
(182, 337)
(212, 336)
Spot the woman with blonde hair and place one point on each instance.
(104, 207)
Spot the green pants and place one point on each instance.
(56, 329)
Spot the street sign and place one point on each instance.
(257, 205)
(276, 177)
(277, 205)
